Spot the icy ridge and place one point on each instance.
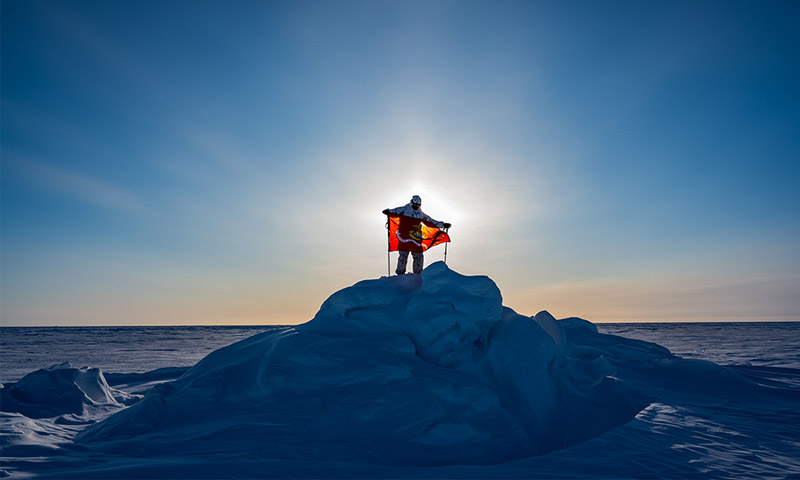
(424, 369)
(61, 389)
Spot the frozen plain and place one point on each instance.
(415, 377)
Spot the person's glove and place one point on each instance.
(385, 211)
(447, 225)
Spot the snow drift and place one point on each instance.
(60, 389)
(424, 369)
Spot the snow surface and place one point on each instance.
(411, 376)
(61, 389)
(118, 349)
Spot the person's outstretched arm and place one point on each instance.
(439, 224)
(394, 211)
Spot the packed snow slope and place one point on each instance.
(414, 370)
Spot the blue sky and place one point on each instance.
(226, 162)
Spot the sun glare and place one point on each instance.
(434, 202)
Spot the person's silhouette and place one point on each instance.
(412, 210)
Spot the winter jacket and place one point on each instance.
(409, 211)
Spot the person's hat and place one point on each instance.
(416, 200)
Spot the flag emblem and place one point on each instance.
(413, 234)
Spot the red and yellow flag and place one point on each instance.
(409, 234)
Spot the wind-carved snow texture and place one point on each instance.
(61, 389)
(411, 377)
(424, 369)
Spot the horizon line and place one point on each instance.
(127, 325)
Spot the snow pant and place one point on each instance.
(402, 260)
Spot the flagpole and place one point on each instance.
(445, 247)
(388, 249)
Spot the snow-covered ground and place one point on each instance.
(762, 344)
(415, 376)
(113, 349)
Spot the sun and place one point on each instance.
(434, 202)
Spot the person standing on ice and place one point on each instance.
(412, 210)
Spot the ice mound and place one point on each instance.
(424, 369)
(445, 315)
(59, 389)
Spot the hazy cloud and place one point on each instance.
(76, 185)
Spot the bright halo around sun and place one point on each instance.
(435, 202)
